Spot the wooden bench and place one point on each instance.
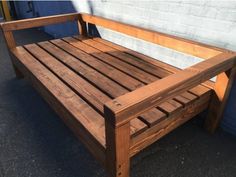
(118, 101)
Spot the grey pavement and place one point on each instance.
(35, 142)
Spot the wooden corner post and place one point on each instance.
(10, 41)
(117, 146)
(82, 26)
(219, 98)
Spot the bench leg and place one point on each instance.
(117, 154)
(222, 89)
(18, 74)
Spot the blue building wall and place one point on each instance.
(192, 15)
(45, 8)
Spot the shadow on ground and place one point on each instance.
(35, 142)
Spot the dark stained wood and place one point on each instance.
(82, 27)
(17, 72)
(9, 38)
(156, 67)
(39, 21)
(96, 64)
(169, 41)
(86, 123)
(94, 96)
(90, 93)
(124, 79)
(167, 125)
(128, 69)
(118, 64)
(117, 152)
(105, 84)
(142, 99)
(168, 108)
(88, 79)
(219, 98)
(123, 56)
(10, 41)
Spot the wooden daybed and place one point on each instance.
(115, 100)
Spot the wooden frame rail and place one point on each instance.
(173, 42)
(8, 27)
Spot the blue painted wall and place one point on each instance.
(45, 8)
(198, 20)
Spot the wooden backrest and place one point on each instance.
(179, 44)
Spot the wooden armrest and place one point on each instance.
(8, 27)
(126, 107)
(39, 21)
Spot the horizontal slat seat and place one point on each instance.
(96, 71)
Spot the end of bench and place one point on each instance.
(126, 107)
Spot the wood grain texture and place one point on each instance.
(154, 66)
(147, 97)
(99, 52)
(182, 45)
(219, 98)
(82, 26)
(17, 72)
(9, 38)
(164, 127)
(87, 125)
(110, 88)
(39, 21)
(117, 151)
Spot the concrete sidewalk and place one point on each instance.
(35, 142)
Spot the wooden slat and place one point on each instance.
(170, 107)
(113, 61)
(153, 117)
(120, 77)
(158, 92)
(107, 85)
(76, 53)
(90, 93)
(123, 56)
(148, 117)
(40, 21)
(154, 63)
(86, 123)
(128, 69)
(200, 91)
(94, 96)
(137, 125)
(167, 107)
(170, 41)
(167, 125)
